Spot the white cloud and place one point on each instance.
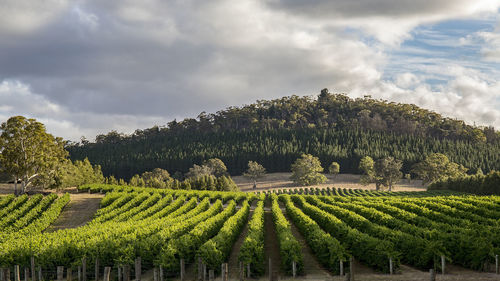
(21, 16)
(146, 62)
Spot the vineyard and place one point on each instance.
(176, 230)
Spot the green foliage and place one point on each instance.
(252, 249)
(383, 172)
(274, 133)
(477, 184)
(217, 167)
(186, 246)
(374, 252)
(388, 170)
(436, 167)
(68, 174)
(254, 171)
(290, 249)
(307, 170)
(334, 168)
(28, 151)
(325, 247)
(216, 251)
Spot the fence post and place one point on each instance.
(183, 270)
(107, 272)
(433, 274)
(138, 269)
(391, 270)
(60, 273)
(126, 273)
(248, 271)
(17, 274)
(496, 265)
(211, 275)
(40, 273)
(351, 269)
(222, 272)
(226, 272)
(119, 273)
(84, 269)
(2, 272)
(270, 270)
(443, 265)
(204, 272)
(155, 274)
(96, 269)
(69, 274)
(26, 273)
(341, 265)
(294, 269)
(7, 274)
(242, 273)
(161, 273)
(33, 271)
(79, 273)
(200, 268)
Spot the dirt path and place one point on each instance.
(78, 212)
(271, 247)
(233, 263)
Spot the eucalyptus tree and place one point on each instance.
(28, 151)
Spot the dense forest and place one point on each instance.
(274, 133)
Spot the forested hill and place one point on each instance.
(274, 133)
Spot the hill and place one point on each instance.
(274, 133)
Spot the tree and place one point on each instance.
(437, 166)
(27, 150)
(67, 173)
(158, 178)
(254, 172)
(388, 171)
(198, 171)
(408, 177)
(217, 166)
(307, 170)
(334, 169)
(383, 172)
(367, 165)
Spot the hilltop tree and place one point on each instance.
(28, 151)
(437, 166)
(307, 170)
(334, 169)
(254, 172)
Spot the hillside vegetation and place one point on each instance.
(274, 133)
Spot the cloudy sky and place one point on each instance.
(88, 67)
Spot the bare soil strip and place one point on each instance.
(233, 263)
(78, 212)
(271, 247)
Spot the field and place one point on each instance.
(282, 180)
(309, 232)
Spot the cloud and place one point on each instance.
(491, 50)
(387, 20)
(24, 16)
(89, 67)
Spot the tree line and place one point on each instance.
(277, 149)
(276, 132)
